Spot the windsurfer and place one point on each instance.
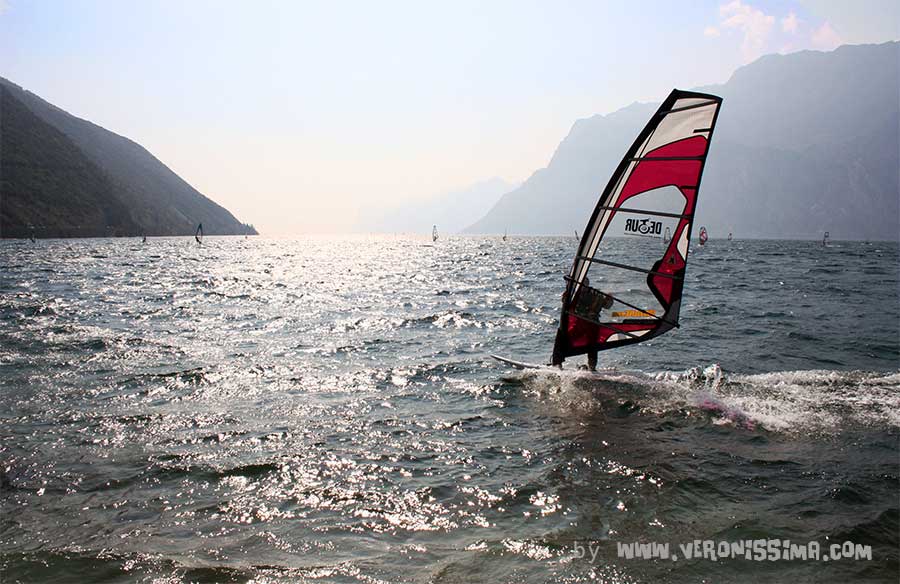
(648, 282)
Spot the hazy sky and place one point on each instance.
(298, 116)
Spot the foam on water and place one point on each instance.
(819, 401)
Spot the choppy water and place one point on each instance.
(324, 410)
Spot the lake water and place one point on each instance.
(325, 410)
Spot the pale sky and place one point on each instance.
(298, 116)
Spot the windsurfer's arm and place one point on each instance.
(607, 301)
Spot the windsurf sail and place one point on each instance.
(199, 234)
(434, 234)
(628, 290)
(703, 236)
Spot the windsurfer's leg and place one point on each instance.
(556, 360)
(592, 360)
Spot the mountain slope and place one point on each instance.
(46, 180)
(806, 143)
(139, 193)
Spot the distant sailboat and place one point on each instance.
(825, 239)
(434, 234)
(199, 234)
(703, 236)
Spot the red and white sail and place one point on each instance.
(624, 287)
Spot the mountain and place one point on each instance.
(451, 212)
(61, 176)
(806, 143)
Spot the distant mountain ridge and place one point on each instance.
(61, 176)
(451, 212)
(806, 143)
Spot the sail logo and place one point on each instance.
(634, 313)
(643, 227)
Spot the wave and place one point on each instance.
(823, 401)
